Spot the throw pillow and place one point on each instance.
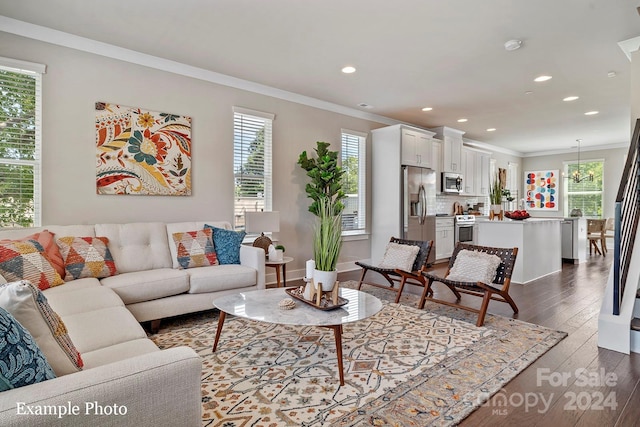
(399, 256)
(227, 244)
(26, 260)
(195, 248)
(30, 307)
(86, 257)
(51, 250)
(22, 361)
(474, 266)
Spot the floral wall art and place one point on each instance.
(541, 190)
(142, 152)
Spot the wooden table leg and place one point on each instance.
(220, 323)
(337, 332)
(278, 275)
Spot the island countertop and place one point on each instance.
(539, 243)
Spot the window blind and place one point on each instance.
(20, 146)
(353, 159)
(252, 159)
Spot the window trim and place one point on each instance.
(362, 180)
(37, 70)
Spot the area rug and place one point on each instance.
(403, 366)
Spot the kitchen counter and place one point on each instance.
(539, 243)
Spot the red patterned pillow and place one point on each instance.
(51, 250)
(26, 260)
(32, 310)
(195, 248)
(86, 257)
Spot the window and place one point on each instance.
(251, 163)
(354, 180)
(20, 139)
(585, 195)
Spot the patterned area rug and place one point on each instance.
(403, 366)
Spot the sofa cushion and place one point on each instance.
(83, 300)
(88, 282)
(227, 244)
(86, 257)
(26, 260)
(117, 352)
(30, 307)
(219, 278)
(141, 286)
(102, 328)
(137, 246)
(22, 361)
(51, 250)
(195, 248)
(176, 227)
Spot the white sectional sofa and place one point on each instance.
(122, 367)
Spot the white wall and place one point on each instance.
(76, 80)
(613, 164)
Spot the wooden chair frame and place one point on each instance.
(392, 276)
(498, 290)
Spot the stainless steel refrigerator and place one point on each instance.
(418, 210)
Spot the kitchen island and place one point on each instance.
(539, 243)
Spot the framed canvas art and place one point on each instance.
(142, 152)
(541, 190)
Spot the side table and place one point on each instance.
(280, 265)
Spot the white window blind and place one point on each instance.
(251, 163)
(586, 195)
(354, 160)
(20, 143)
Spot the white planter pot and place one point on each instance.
(496, 208)
(327, 278)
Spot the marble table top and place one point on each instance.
(262, 305)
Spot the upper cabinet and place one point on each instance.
(468, 172)
(416, 147)
(451, 148)
(483, 173)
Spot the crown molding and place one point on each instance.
(492, 148)
(574, 150)
(629, 46)
(60, 38)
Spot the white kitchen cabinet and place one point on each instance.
(416, 147)
(436, 163)
(483, 173)
(451, 148)
(468, 172)
(444, 237)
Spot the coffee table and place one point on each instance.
(262, 305)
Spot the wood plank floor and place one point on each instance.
(550, 392)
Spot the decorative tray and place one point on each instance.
(325, 302)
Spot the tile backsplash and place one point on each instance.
(444, 203)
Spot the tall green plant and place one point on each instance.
(327, 238)
(326, 178)
(495, 195)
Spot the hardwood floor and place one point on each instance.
(550, 392)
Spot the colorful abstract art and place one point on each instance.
(541, 189)
(142, 152)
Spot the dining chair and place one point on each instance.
(595, 234)
(609, 230)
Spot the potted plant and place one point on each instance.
(325, 191)
(495, 197)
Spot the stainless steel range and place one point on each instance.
(465, 230)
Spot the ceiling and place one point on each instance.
(409, 54)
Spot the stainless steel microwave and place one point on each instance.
(451, 182)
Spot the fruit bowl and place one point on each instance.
(517, 215)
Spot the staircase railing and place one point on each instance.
(627, 210)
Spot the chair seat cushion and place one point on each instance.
(474, 266)
(399, 256)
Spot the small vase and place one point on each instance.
(327, 278)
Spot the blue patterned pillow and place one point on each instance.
(227, 244)
(21, 361)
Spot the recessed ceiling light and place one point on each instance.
(611, 74)
(349, 69)
(570, 98)
(591, 113)
(427, 109)
(529, 92)
(365, 105)
(462, 120)
(542, 78)
(491, 130)
(513, 45)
